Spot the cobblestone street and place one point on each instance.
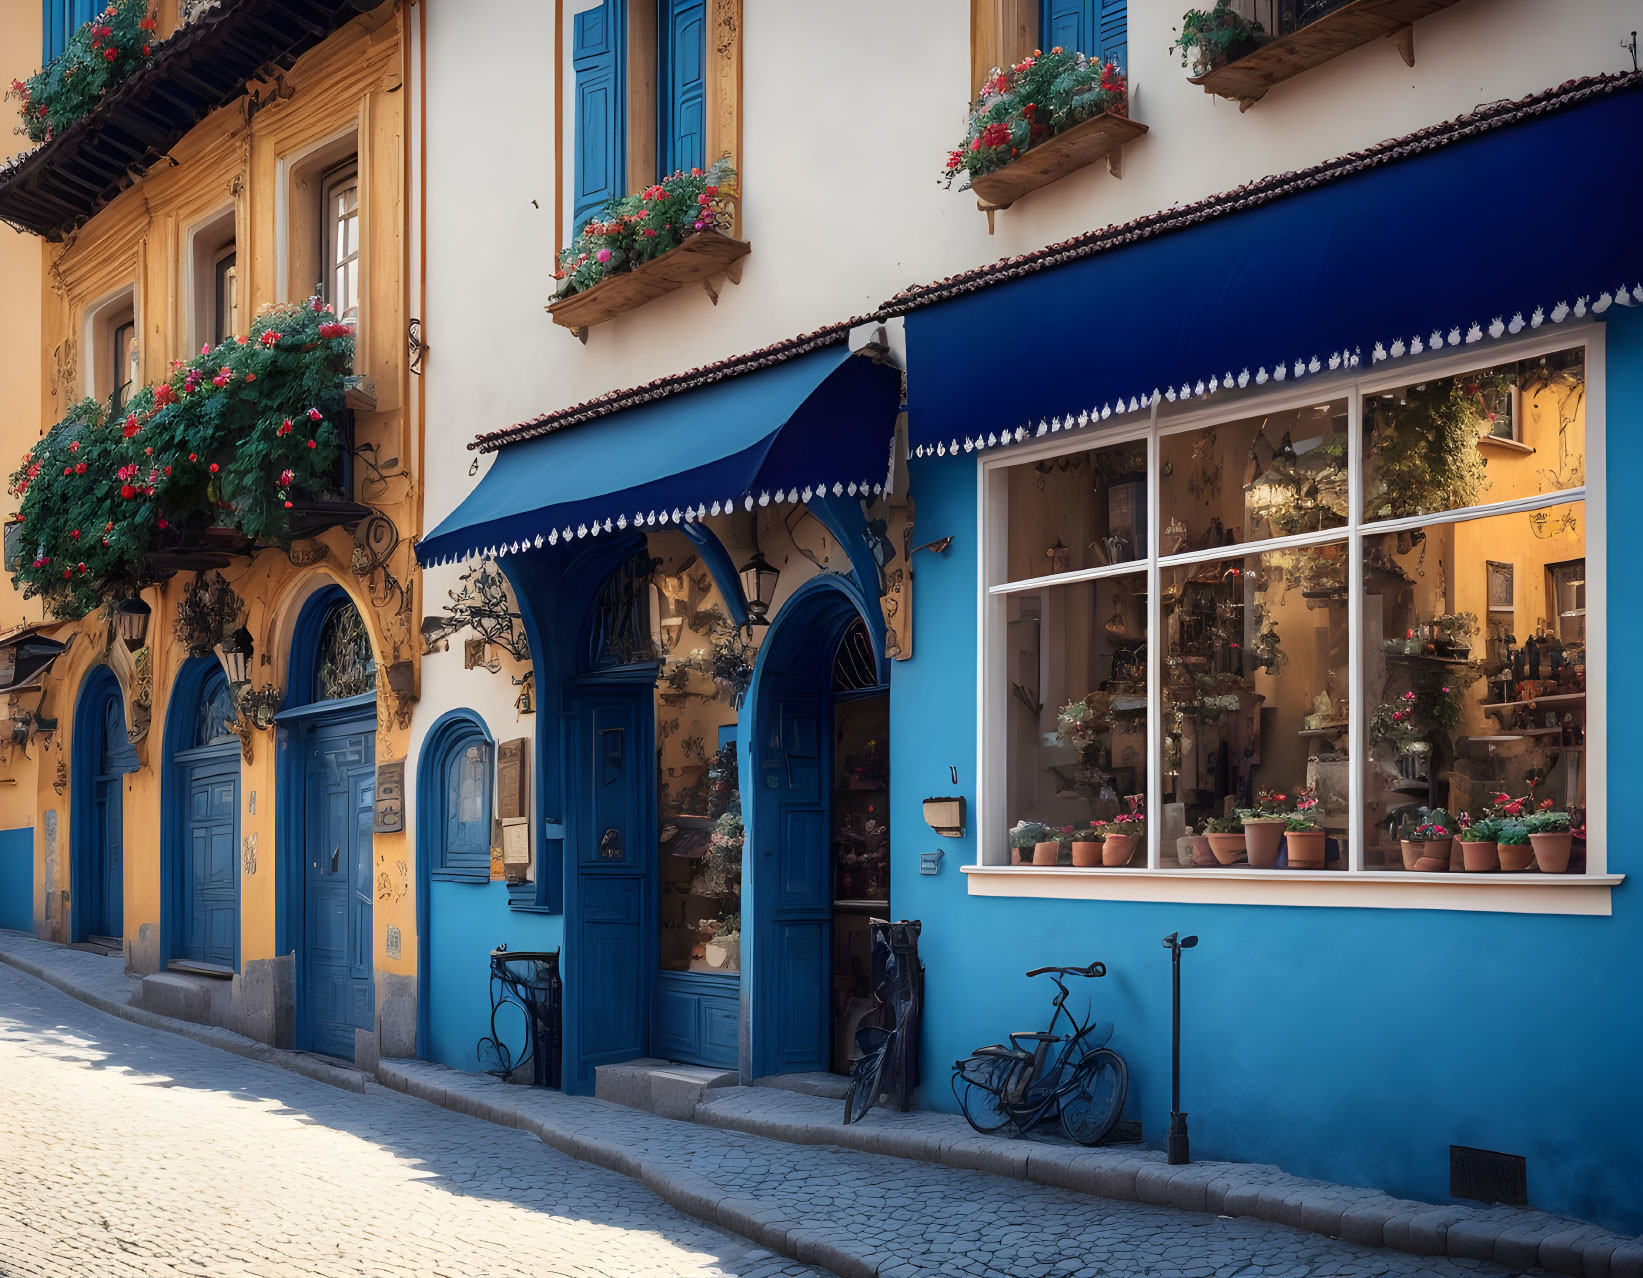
(130, 1151)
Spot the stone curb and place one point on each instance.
(350, 1080)
(1516, 1237)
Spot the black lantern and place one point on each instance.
(131, 621)
(235, 654)
(759, 587)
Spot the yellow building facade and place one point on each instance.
(297, 187)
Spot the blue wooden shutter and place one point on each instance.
(1066, 24)
(61, 19)
(682, 49)
(1115, 36)
(600, 153)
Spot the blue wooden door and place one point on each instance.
(613, 830)
(337, 995)
(108, 847)
(794, 889)
(211, 836)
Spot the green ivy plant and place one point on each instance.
(234, 438)
(1214, 37)
(1037, 98)
(103, 53)
(1423, 446)
(634, 229)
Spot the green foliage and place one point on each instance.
(1035, 99)
(1233, 824)
(633, 229)
(100, 55)
(1213, 37)
(1483, 830)
(1512, 833)
(1027, 833)
(232, 438)
(1426, 825)
(1547, 822)
(1423, 446)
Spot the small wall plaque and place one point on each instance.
(516, 848)
(930, 862)
(390, 798)
(510, 779)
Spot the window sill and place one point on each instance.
(1368, 889)
(1486, 442)
(460, 876)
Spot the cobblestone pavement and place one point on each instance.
(130, 1151)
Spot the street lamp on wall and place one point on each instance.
(234, 652)
(131, 618)
(759, 587)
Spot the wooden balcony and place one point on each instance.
(1246, 80)
(701, 258)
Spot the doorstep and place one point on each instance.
(659, 1087)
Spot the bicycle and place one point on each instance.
(1082, 1082)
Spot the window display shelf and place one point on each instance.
(1551, 699)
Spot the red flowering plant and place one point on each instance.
(634, 229)
(100, 55)
(233, 437)
(1022, 105)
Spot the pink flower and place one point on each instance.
(314, 415)
(603, 255)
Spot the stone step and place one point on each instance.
(187, 996)
(659, 1087)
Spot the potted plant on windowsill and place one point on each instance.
(1512, 847)
(1427, 837)
(1304, 836)
(1125, 833)
(638, 247)
(1086, 845)
(1551, 838)
(1037, 121)
(1264, 828)
(1478, 850)
(1226, 839)
(1033, 843)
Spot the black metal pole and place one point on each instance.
(1178, 1145)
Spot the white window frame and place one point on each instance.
(992, 875)
(338, 179)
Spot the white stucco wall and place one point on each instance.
(849, 108)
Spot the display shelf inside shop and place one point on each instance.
(1245, 80)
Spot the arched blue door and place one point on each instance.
(206, 860)
(102, 755)
(328, 796)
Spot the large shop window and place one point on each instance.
(1339, 632)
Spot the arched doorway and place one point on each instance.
(327, 803)
(201, 905)
(102, 754)
(812, 783)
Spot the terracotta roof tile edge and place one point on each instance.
(1484, 119)
(673, 384)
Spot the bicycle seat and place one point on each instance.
(1094, 969)
(1004, 1053)
(1036, 1036)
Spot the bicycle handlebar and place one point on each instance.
(1093, 970)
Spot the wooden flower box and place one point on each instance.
(1101, 137)
(1245, 80)
(704, 255)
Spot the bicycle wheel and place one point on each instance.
(863, 1092)
(978, 1084)
(1094, 1100)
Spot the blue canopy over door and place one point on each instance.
(820, 421)
(1358, 260)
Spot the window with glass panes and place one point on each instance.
(340, 221)
(1332, 630)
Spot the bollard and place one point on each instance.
(1179, 1151)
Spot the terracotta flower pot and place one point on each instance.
(1306, 849)
(1514, 857)
(1015, 856)
(1118, 849)
(1551, 852)
(1262, 839)
(1228, 848)
(1086, 852)
(1046, 853)
(1427, 856)
(1477, 856)
(1201, 853)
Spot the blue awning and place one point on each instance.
(1519, 216)
(819, 422)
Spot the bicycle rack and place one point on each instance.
(528, 980)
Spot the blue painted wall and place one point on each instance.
(1352, 1045)
(468, 920)
(17, 879)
